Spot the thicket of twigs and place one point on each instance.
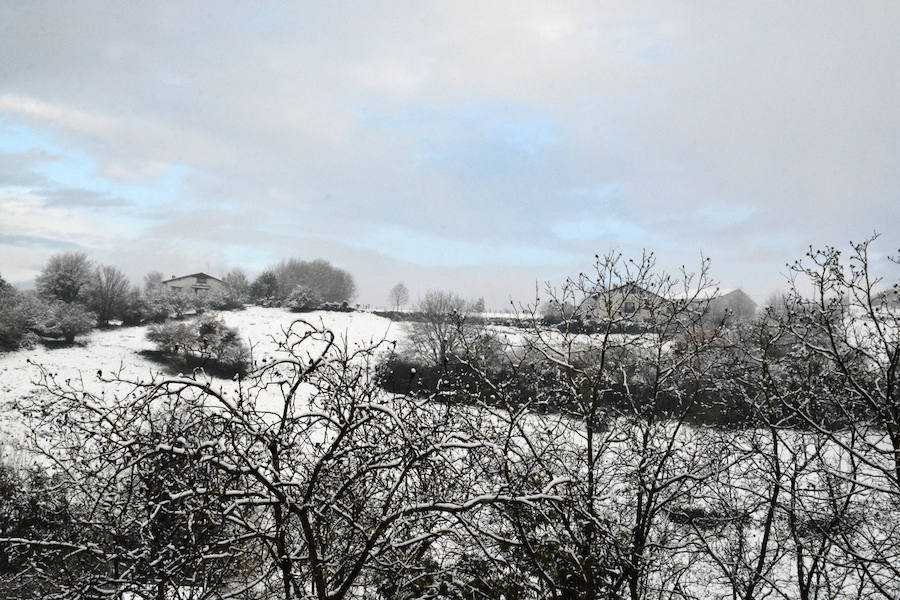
(557, 465)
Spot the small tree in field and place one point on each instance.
(108, 293)
(437, 337)
(237, 281)
(69, 321)
(265, 287)
(398, 296)
(65, 277)
(181, 302)
(153, 281)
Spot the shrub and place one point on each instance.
(227, 299)
(336, 307)
(31, 506)
(135, 309)
(157, 305)
(179, 303)
(172, 337)
(21, 315)
(199, 302)
(303, 299)
(13, 322)
(29, 340)
(67, 321)
(204, 341)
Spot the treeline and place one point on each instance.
(303, 284)
(73, 295)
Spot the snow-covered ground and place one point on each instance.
(119, 348)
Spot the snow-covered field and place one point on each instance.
(119, 348)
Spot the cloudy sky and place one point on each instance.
(474, 146)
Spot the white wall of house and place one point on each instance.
(195, 284)
(627, 302)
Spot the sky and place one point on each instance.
(479, 147)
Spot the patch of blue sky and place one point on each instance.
(72, 168)
(433, 251)
(613, 228)
(723, 215)
(488, 135)
(15, 138)
(648, 42)
(601, 192)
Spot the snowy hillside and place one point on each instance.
(110, 350)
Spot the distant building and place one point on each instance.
(735, 305)
(633, 303)
(889, 298)
(197, 283)
(628, 301)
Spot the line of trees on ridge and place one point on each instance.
(73, 295)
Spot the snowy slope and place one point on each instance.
(113, 349)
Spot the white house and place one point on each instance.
(197, 283)
(636, 304)
(628, 301)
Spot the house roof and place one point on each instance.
(632, 288)
(193, 275)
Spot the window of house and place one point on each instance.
(201, 280)
(176, 288)
(628, 307)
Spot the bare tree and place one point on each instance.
(237, 282)
(846, 324)
(437, 336)
(153, 281)
(108, 293)
(398, 296)
(605, 418)
(843, 355)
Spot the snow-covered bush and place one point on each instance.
(157, 305)
(135, 310)
(205, 338)
(29, 340)
(14, 322)
(65, 277)
(180, 302)
(303, 299)
(227, 299)
(20, 314)
(67, 321)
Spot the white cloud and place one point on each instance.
(26, 216)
